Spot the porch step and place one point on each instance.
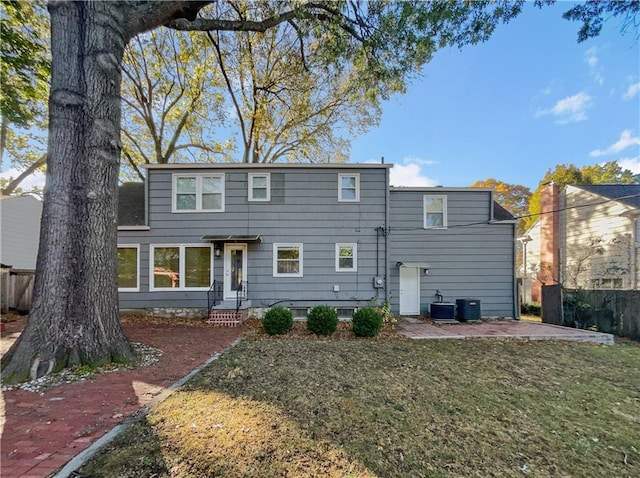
(227, 318)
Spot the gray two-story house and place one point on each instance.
(219, 237)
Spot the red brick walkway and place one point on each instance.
(41, 433)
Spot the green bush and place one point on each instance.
(530, 309)
(277, 320)
(367, 322)
(322, 320)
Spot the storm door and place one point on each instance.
(235, 269)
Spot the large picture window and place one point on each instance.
(346, 257)
(435, 212)
(181, 267)
(128, 267)
(287, 260)
(198, 192)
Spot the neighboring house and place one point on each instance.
(529, 250)
(298, 235)
(19, 231)
(589, 238)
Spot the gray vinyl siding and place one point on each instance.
(468, 259)
(304, 208)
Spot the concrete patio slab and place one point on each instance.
(503, 328)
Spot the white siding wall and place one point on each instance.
(605, 224)
(20, 226)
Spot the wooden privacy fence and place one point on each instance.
(16, 289)
(612, 311)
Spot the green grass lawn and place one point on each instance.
(394, 408)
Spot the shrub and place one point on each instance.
(367, 322)
(530, 309)
(322, 320)
(277, 320)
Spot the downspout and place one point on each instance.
(516, 301)
(635, 241)
(387, 201)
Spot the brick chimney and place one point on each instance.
(549, 239)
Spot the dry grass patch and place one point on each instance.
(322, 407)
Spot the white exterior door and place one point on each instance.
(235, 268)
(409, 291)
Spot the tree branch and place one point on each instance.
(27, 172)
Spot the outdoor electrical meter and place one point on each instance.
(378, 282)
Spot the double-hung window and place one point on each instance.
(287, 260)
(128, 268)
(348, 187)
(187, 267)
(346, 257)
(198, 192)
(259, 187)
(435, 212)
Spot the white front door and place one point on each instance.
(409, 291)
(235, 268)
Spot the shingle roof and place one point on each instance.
(131, 204)
(628, 194)
(501, 214)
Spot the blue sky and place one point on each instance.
(513, 107)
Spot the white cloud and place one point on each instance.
(410, 175)
(425, 162)
(570, 109)
(591, 58)
(632, 91)
(626, 141)
(632, 164)
(34, 180)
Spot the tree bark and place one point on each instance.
(74, 319)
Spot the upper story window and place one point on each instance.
(287, 260)
(346, 258)
(198, 192)
(435, 212)
(128, 268)
(348, 187)
(607, 283)
(259, 187)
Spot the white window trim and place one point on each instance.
(250, 186)
(354, 247)
(137, 248)
(444, 211)
(181, 248)
(275, 259)
(348, 175)
(198, 176)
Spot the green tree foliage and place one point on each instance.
(594, 13)
(25, 68)
(513, 197)
(564, 174)
(172, 101)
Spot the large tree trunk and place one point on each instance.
(74, 319)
